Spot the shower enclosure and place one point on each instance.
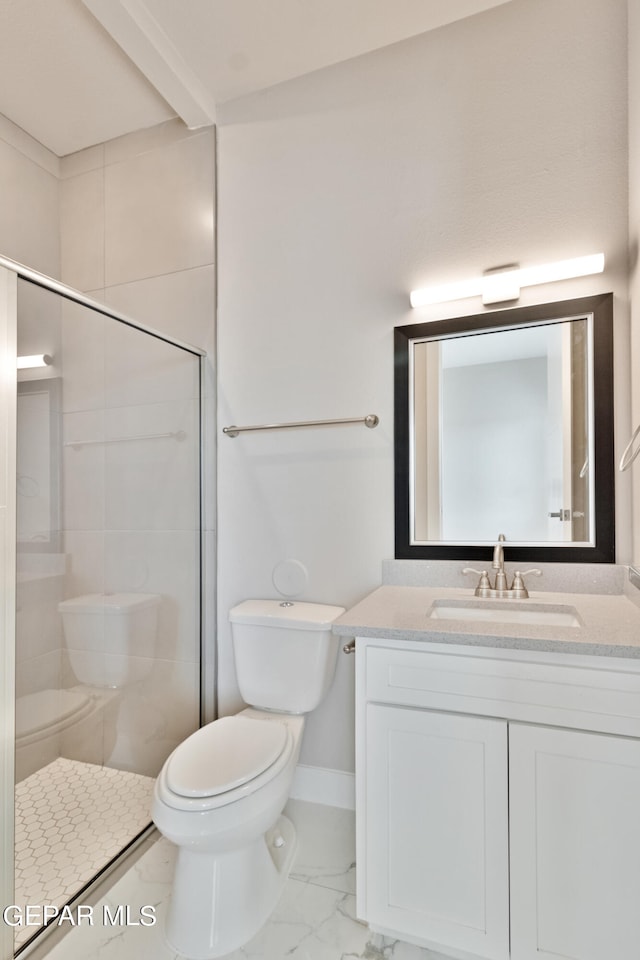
(100, 520)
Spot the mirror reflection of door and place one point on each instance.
(580, 463)
(568, 448)
(504, 419)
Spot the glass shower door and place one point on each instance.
(108, 593)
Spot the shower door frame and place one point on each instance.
(10, 272)
(8, 393)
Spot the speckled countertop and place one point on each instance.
(610, 623)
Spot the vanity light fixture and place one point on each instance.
(35, 360)
(503, 283)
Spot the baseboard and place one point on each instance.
(335, 788)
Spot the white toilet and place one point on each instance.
(77, 723)
(110, 637)
(221, 793)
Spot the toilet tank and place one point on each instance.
(285, 653)
(107, 633)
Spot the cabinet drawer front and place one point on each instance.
(584, 697)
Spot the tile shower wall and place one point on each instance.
(29, 231)
(137, 217)
(38, 626)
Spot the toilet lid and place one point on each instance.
(223, 755)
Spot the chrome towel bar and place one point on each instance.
(178, 435)
(371, 421)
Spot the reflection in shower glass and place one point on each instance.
(108, 609)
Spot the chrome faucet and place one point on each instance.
(498, 563)
(501, 589)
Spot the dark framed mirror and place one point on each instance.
(504, 424)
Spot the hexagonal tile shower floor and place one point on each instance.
(72, 818)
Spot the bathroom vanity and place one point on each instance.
(498, 772)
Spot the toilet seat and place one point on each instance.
(47, 712)
(210, 769)
(240, 748)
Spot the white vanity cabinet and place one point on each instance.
(575, 844)
(498, 801)
(436, 834)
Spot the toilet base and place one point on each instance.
(221, 900)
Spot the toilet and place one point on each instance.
(220, 795)
(77, 723)
(110, 637)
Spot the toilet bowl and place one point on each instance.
(77, 723)
(227, 817)
(220, 795)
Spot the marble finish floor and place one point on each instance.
(315, 919)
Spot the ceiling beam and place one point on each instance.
(135, 29)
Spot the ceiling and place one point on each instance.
(74, 73)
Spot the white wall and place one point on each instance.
(498, 138)
(29, 212)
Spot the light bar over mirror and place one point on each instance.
(501, 284)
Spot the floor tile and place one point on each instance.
(326, 845)
(314, 920)
(71, 819)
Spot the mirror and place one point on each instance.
(38, 466)
(504, 424)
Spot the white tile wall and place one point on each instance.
(83, 358)
(143, 369)
(137, 232)
(83, 469)
(39, 634)
(39, 673)
(137, 213)
(85, 561)
(162, 562)
(152, 484)
(82, 230)
(155, 715)
(159, 211)
(180, 304)
(39, 327)
(29, 211)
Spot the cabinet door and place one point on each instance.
(436, 829)
(575, 845)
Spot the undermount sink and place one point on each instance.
(510, 611)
